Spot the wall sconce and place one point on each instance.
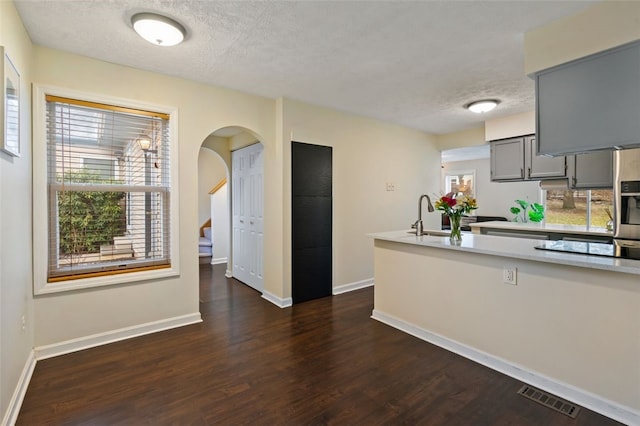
(144, 142)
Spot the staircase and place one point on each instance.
(205, 243)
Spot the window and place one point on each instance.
(589, 208)
(460, 182)
(105, 169)
(109, 199)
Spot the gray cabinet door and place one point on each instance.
(591, 103)
(507, 159)
(540, 167)
(593, 170)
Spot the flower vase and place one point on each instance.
(456, 237)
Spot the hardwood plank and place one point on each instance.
(324, 361)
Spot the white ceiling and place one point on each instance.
(411, 63)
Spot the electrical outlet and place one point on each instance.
(391, 186)
(510, 275)
(23, 322)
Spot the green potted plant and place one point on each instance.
(533, 212)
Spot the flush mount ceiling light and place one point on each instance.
(158, 29)
(485, 105)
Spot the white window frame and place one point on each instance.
(40, 196)
(448, 174)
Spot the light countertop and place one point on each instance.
(515, 248)
(541, 227)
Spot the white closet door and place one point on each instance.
(247, 209)
(255, 211)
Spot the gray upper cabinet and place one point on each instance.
(543, 167)
(507, 159)
(592, 103)
(515, 159)
(593, 170)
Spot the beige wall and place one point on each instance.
(510, 126)
(576, 326)
(241, 140)
(15, 221)
(202, 110)
(220, 146)
(604, 25)
(366, 155)
(461, 139)
(497, 128)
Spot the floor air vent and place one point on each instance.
(548, 400)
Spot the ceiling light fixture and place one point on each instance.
(484, 105)
(158, 29)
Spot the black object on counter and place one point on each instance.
(622, 249)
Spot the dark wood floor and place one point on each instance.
(250, 362)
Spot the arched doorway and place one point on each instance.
(241, 151)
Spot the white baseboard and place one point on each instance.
(11, 415)
(73, 345)
(352, 286)
(285, 303)
(579, 396)
(218, 261)
(228, 273)
(279, 302)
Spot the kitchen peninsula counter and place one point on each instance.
(570, 325)
(515, 248)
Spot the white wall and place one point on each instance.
(15, 223)
(211, 170)
(221, 203)
(494, 198)
(366, 155)
(220, 209)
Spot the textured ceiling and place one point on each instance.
(411, 63)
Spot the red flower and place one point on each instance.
(450, 201)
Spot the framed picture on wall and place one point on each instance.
(10, 107)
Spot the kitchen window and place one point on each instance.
(589, 208)
(110, 213)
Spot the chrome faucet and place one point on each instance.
(418, 224)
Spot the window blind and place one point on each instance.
(108, 173)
